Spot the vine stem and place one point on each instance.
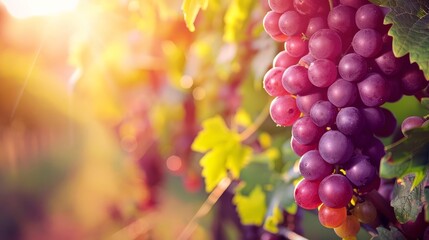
(331, 4)
(256, 124)
(290, 234)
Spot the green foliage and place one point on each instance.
(190, 10)
(389, 234)
(224, 151)
(410, 31)
(408, 203)
(409, 155)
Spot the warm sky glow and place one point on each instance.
(30, 8)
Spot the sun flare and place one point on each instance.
(31, 8)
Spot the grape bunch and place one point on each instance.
(329, 83)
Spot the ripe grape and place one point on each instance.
(306, 7)
(313, 167)
(410, 123)
(323, 113)
(305, 131)
(296, 46)
(332, 217)
(389, 124)
(413, 80)
(350, 121)
(279, 6)
(322, 73)
(335, 147)
(365, 211)
(388, 64)
(291, 23)
(352, 67)
(374, 117)
(335, 191)
(295, 80)
(369, 16)
(373, 90)
(284, 59)
(271, 24)
(353, 3)
(342, 19)
(273, 82)
(301, 149)
(283, 110)
(314, 25)
(325, 44)
(306, 101)
(349, 228)
(360, 171)
(342, 93)
(367, 42)
(306, 195)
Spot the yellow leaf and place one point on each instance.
(242, 118)
(190, 10)
(235, 19)
(237, 157)
(252, 208)
(214, 132)
(272, 222)
(214, 169)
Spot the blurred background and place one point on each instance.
(100, 102)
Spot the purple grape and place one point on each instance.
(295, 80)
(413, 80)
(359, 170)
(335, 147)
(283, 110)
(354, 3)
(367, 43)
(342, 19)
(335, 191)
(301, 149)
(389, 124)
(305, 102)
(325, 43)
(306, 60)
(279, 6)
(342, 93)
(373, 90)
(284, 59)
(314, 25)
(323, 113)
(296, 46)
(312, 166)
(305, 131)
(375, 151)
(374, 117)
(306, 7)
(388, 64)
(271, 23)
(292, 23)
(369, 16)
(363, 139)
(273, 82)
(395, 90)
(322, 73)
(410, 123)
(350, 121)
(352, 67)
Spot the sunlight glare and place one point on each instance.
(31, 8)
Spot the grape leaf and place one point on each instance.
(235, 19)
(410, 31)
(251, 208)
(409, 155)
(190, 10)
(407, 203)
(223, 151)
(255, 174)
(425, 102)
(389, 234)
(273, 220)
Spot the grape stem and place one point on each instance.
(331, 4)
(256, 124)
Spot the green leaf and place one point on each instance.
(235, 19)
(409, 155)
(425, 102)
(389, 234)
(410, 29)
(251, 208)
(190, 10)
(255, 174)
(407, 203)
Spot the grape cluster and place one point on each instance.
(336, 71)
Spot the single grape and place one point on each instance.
(413, 80)
(306, 7)
(365, 211)
(284, 59)
(375, 151)
(359, 170)
(306, 101)
(306, 60)
(323, 113)
(312, 166)
(342, 19)
(322, 73)
(410, 123)
(292, 23)
(283, 110)
(374, 117)
(395, 90)
(349, 228)
(388, 64)
(271, 24)
(332, 217)
(369, 16)
(367, 43)
(301, 149)
(295, 80)
(306, 194)
(373, 90)
(335, 191)
(350, 121)
(325, 44)
(279, 6)
(352, 67)
(305, 131)
(354, 3)
(314, 25)
(342, 93)
(373, 185)
(273, 82)
(335, 147)
(296, 46)
(389, 124)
